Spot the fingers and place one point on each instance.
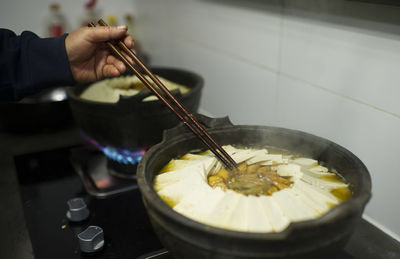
(129, 41)
(114, 66)
(118, 64)
(110, 71)
(105, 33)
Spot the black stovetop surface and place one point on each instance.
(48, 180)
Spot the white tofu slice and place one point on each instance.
(230, 149)
(258, 156)
(317, 193)
(178, 190)
(268, 162)
(314, 173)
(178, 164)
(208, 166)
(217, 166)
(274, 159)
(312, 201)
(318, 169)
(199, 203)
(274, 213)
(293, 207)
(165, 179)
(326, 185)
(242, 155)
(190, 156)
(238, 219)
(223, 210)
(289, 170)
(306, 162)
(257, 221)
(201, 167)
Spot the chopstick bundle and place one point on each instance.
(119, 48)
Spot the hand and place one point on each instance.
(89, 57)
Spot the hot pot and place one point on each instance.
(320, 238)
(131, 123)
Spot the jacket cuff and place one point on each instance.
(49, 63)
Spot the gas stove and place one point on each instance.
(53, 182)
(48, 180)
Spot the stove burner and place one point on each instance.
(119, 155)
(101, 176)
(120, 170)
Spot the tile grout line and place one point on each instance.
(341, 95)
(280, 73)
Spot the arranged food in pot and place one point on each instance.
(268, 190)
(110, 90)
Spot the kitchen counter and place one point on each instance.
(367, 241)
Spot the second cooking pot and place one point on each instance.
(131, 123)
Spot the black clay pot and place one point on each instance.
(320, 238)
(131, 123)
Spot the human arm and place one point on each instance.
(29, 64)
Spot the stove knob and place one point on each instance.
(77, 210)
(91, 239)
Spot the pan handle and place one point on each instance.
(207, 122)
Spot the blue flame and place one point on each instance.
(124, 156)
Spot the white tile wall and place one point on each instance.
(359, 65)
(20, 15)
(231, 84)
(324, 67)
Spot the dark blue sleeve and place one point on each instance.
(29, 64)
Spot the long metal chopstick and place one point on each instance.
(192, 123)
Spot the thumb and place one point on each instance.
(105, 33)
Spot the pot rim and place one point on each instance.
(72, 92)
(346, 209)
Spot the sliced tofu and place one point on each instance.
(317, 193)
(274, 159)
(239, 217)
(289, 170)
(201, 167)
(293, 207)
(258, 156)
(223, 210)
(208, 166)
(306, 162)
(319, 169)
(178, 190)
(273, 213)
(242, 155)
(230, 149)
(313, 202)
(314, 173)
(217, 166)
(326, 185)
(177, 164)
(199, 203)
(257, 221)
(187, 191)
(190, 156)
